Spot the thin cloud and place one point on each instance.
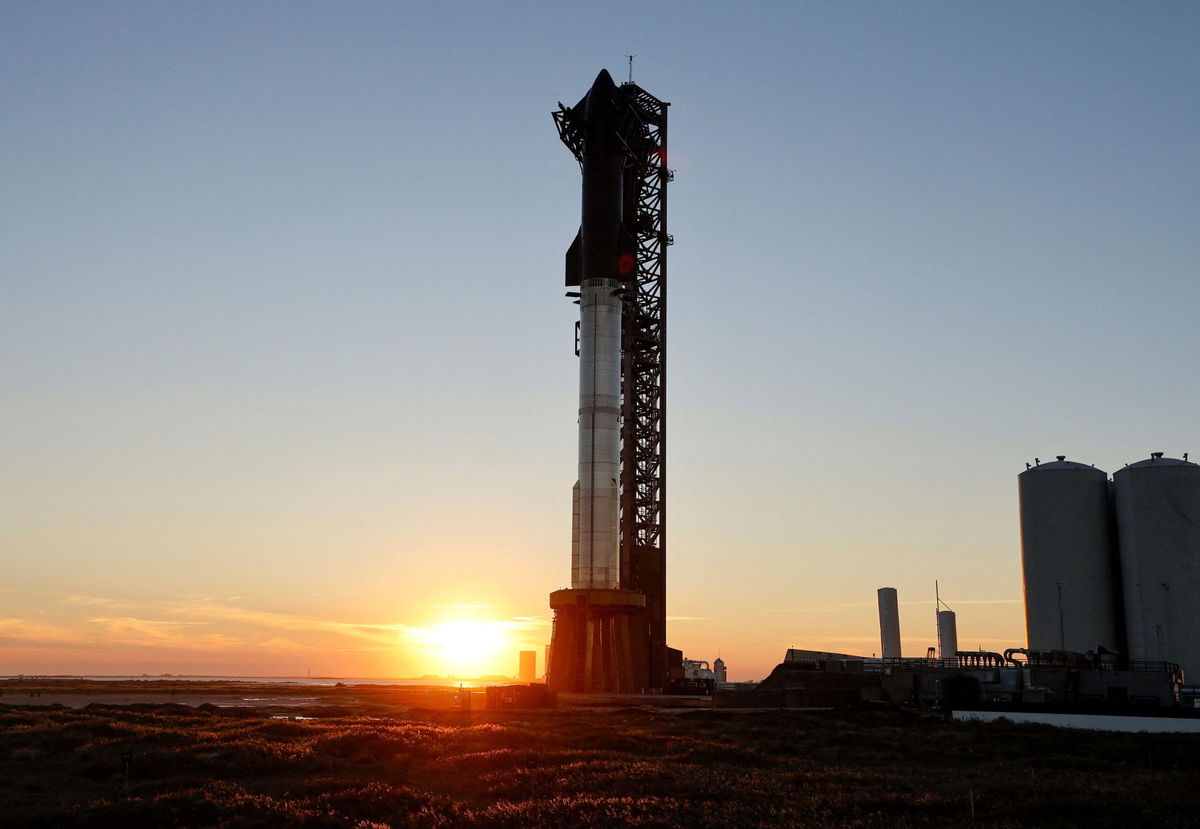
(204, 623)
(281, 643)
(132, 631)
(975, 601)
(814, 608)
(24, 633)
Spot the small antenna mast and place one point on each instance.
(937, 606)
(631, 57)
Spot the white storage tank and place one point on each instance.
(947, 627)
(889, 623)
(1069, 558)
(1158, 526)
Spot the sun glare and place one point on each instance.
(467, 648)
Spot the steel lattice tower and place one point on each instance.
(644, 381)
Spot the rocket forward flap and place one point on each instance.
(626, 265)
(575, 263)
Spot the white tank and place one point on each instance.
(889, 623)
(947, 634)
(1158, 526)
(1068, 558)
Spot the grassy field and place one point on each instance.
(209, 766)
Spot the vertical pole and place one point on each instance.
(937, 622)
(1062, 636)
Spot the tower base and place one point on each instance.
(598, 644)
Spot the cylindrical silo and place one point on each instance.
(947, 634)
(889, 623)
(1158, 528)
(1068, 558)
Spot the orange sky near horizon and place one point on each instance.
(99, 636)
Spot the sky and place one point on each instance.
(287, 380)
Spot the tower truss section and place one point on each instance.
(643, 520)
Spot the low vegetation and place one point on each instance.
(208, 766)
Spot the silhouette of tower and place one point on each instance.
(610, 625)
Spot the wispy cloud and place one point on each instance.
(816, 608)
(26, 633)
(282, 643)
(158, 633)
(825, 608)
(974, 601)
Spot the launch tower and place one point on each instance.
(610, 626)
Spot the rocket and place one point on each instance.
(601, 261)
(604, 120)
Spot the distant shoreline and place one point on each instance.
(320, 681)
(266, 695)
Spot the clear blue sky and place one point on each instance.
(283, 341)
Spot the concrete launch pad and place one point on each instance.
(599, 642)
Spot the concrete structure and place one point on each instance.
(947, 628)
(599, 642)
(719, 670)
(1158, 526)
(528, 666)
(1069, 558)
(889, 623)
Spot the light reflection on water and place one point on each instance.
(323, 682)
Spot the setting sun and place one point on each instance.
(467, 648)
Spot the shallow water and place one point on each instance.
(327, 682)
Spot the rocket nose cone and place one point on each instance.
(602, 101)
(603, 83)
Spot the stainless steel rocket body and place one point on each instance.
(595, 560)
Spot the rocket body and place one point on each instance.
(596, 549)
(601, 259)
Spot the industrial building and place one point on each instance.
(527, 666)
(1111, 571)
(1018, 679)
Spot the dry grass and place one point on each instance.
(215, 767)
